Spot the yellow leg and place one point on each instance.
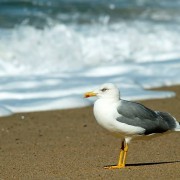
(125, 154)
(122, 157)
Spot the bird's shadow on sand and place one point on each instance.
(151, 163)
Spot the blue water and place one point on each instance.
(51, 52)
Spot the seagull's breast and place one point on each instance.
(106, 115)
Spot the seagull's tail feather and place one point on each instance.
(177, 127)
(170, 120)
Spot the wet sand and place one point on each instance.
(69, 144)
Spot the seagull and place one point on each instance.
(128, 120)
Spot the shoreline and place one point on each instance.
(69, 144)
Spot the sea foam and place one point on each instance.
(51, 68)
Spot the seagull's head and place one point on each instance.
(108, 91)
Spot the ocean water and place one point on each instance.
(52, 51)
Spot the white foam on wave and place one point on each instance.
(51, 68)
(63, 48)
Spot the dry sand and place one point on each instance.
(69, 144)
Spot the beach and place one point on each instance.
(69, 144)
(51, 53)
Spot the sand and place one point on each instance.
(69, 144)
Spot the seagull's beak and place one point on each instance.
(89, 94)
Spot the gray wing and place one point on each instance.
(136, 114)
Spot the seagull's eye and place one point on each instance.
(104, 89)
